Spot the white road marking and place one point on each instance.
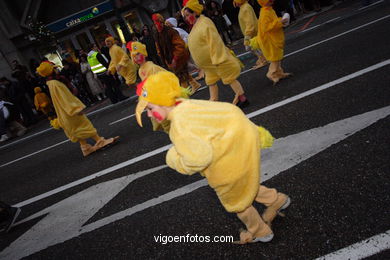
(361, 250)
(65, 219)
(336, 36)
(34, 153)
(311, 28)
(364, 7)
(165, 148)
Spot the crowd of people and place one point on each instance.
(204, 133)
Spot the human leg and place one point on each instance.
(86, 148)
(273, 200)
(272, 72)
(239, 99)
(213, 92)
(256, 229)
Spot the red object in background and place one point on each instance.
(128, 45)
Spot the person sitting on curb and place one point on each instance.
(70, 116)
(217, 140)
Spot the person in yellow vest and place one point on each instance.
(121, 63)
(211, 55)
(204, 135)
(248, 24)
(99, 65)
(70, 116)
(43, 103)
(270, 39)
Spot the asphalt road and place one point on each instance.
(331, 121)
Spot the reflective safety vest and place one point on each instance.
(96, 66)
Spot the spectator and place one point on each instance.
(215, 13)
(99, 65)
(94, 84)
(16, 95)
(148, 39)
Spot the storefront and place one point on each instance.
(78, 31)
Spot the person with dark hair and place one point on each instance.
(173, 52)
(8, 215)
(215, 13)
(148, 39)
(211, 55)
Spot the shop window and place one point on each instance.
(83, 40)
(99, 33)
(133, 22)
(67, 48)
(119, 31)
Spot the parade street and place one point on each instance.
(331, 124)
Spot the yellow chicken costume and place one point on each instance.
(69, 109)
(145, 70)
(212, 56)
(248, 24)
(270, 39)
(148, 67)
(217, 140)
(43, 103)
(120, 59)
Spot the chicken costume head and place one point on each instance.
(160, 89)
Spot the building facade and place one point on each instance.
(75, 24)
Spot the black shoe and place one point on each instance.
(243, 104)
(13, 213)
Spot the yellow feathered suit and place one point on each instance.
(217, 140)
(120, 58)
(42, 102)
(270, 39)
(70, 117)
(212, 56)
(248, 25)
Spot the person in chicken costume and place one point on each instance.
(121, 63)
(210, 53)
(270, 39)
(146, 68)
(248, 25)
(70, 116)
(139, 56)
(43, 103)
(173, 52)
(217, 140)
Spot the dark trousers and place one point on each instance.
(112, 87)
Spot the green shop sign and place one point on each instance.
(80, 17)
